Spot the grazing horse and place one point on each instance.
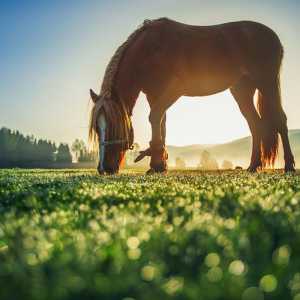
(165, 60)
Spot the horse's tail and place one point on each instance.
(270, 110)
(269, 133)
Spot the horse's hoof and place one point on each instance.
(156, 171)
(150, 171)
(100, 172)
(252, 169)
(289, 169)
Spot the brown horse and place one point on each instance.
(166, 59)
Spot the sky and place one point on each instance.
(52, 52)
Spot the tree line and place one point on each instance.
(17, 150)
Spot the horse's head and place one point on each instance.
(111, 130)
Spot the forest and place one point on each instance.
(17, 150)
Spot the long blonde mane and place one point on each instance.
(115, 114)
(115, 109)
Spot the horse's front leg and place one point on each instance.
(148, 152)
(158, 151)
(157, 118)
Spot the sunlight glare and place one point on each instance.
(195, 120)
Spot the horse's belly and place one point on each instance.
(201, 93)
(205, 87)
(208, 84)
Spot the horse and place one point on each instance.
(165, 60)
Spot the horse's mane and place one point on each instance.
(113, 66)
(115, 109)
(115, 114)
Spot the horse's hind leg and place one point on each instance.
(277, 118)
(243, 93)
(288, 155)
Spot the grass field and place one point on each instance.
(188, 235)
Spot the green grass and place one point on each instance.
(188, 235)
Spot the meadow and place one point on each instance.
(70, 234)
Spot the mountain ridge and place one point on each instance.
(238, 151)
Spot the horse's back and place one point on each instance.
(236, 42)
(165, 29)
(202, 59)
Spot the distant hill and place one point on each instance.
(237, 151)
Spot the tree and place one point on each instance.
(227, 165)
(207, 162)
(81, 152)
(45, 151)
(63, 154)
(179, 163)
(87, 156)
(78, 147)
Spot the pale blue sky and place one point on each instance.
(51, 53)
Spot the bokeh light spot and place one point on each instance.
(237, 267)
(268, 283)
(253, 293)
(212, 260)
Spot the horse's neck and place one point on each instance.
(126, 86)
(127, 99)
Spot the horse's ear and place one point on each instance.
(94, 96)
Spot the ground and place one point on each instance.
(71, 234)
